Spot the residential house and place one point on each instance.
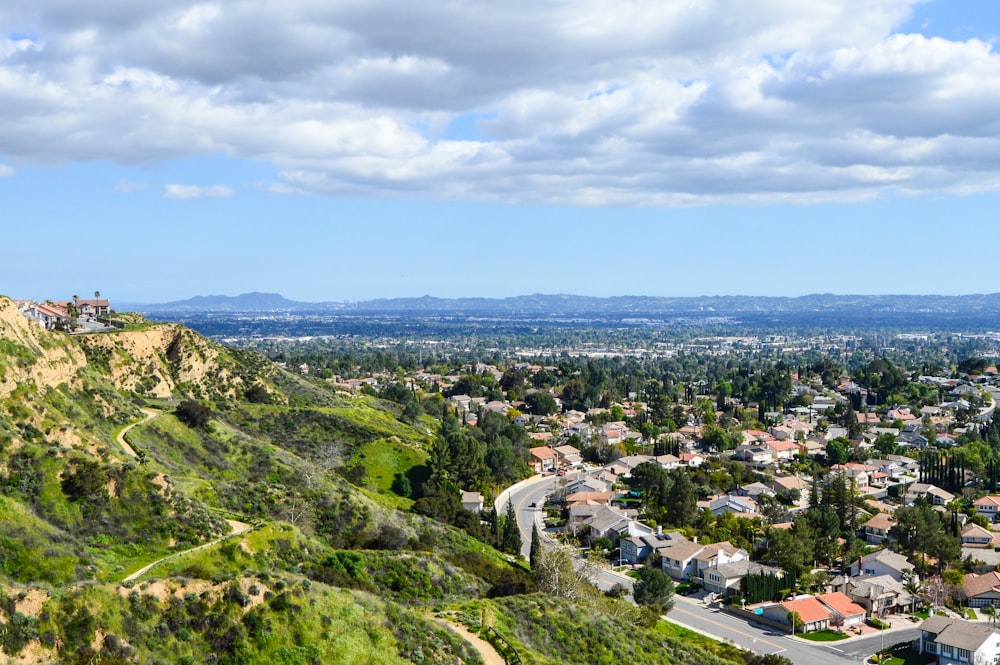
(92, 307)
(982, 590)
(567, 456)
(608, 522)
(988, 506)
(838, 603)
(974, 535)
(636, 549)
(902, 413)
(733, 504)
(725, 578)
(693, 460)
(813, 614)
(912, 440)
(587, 483)
(882, 562)
(957, 642)
(472, 501)
(543, 459)
(877, 528)
(461, 402)
(757, 452)
(786, 485)
(879, 594)
(679, 561)
(783, 450)
(859, 473)
(717, 554)
(668, 462)
(50, 315)
(589, 498)
(933, 493)
(754, 490)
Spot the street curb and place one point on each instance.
(501, 499)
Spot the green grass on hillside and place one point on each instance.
(552, 631)
(261, 619)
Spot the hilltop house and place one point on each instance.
(92, 307)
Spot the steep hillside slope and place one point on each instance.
(325, 567)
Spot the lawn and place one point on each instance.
(907, 656)
(824, 636)
(971, 614)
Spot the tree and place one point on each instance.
(787, 550)
(541, 404)
(653, 481)
(682, 501)
(912, 586)
(795, 621)
(194, 413)
(836, 451)
(536, 547)
(510, 533)
(654, 589)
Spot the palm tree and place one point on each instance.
(992, 612)
(912, 586)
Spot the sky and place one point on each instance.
(354, 149)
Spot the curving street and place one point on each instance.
(692, 613)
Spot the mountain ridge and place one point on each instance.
(568, 304)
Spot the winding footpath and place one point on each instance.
(150, 414)
(485, 649)
(238, 528)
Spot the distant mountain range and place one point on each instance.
(568, 305)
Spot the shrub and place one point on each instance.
(194, 413)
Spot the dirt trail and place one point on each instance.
(485, 649)
(237, 529)
(150, 414)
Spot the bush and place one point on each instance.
(194, 413)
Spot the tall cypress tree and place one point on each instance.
(536, 548)
(510, 534)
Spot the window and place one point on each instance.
(964, 654)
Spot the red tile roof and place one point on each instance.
(810, 610)
(841, 604)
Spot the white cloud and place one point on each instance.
(185, 192)
(635, 102)
(6, 171)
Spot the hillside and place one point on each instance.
(327, 564)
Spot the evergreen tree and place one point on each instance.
(536, 547)
(510, 534)
(682, 501)
(654, 589)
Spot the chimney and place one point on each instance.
(659, 530)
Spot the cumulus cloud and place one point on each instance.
(185, 192)
(592, 102)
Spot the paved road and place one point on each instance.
(694, 614)
(535, 492)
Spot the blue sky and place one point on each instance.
(156, 153)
